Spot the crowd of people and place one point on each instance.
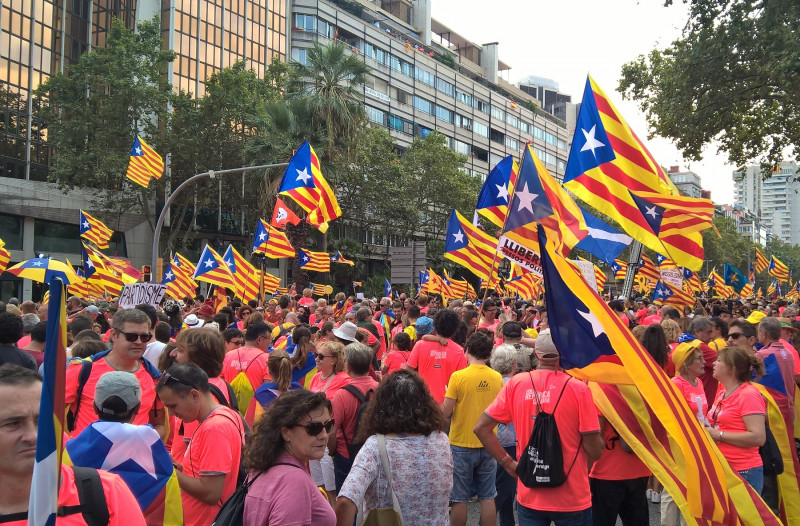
(333, 412)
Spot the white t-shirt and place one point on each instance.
(153, 351)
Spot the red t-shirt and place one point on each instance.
(328, 385)
(345, 405)
(86, 414)
(122, 506)
(305, 301)
(694, 395)
(395, 360)
(576, 415)
(215, 449)
(653, 318)
(436, 362)
(182, 432)
(726, 415)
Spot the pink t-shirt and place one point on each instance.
(345, 406)
(215, 449)
(329, 385)
(615, 463)
(436, 362)
(726, 415)
(694, 395)
(395, 360)
(576, 415)
(286, 495)
(653, 318)
(305, 301)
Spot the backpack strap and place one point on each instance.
(91, 496)
(353, 390)
(563, 388)
(217, 392)
(83, 377)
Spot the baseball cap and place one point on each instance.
(91, 309)
(116, 393)
(512, 329)
(545, 348)
(683, 351)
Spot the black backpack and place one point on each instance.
(232, 512)
(91, 496)
(771, 454)
(354, 447)
(83, 377)
(541, 464)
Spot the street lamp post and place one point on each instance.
(211, 174)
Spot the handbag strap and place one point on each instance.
(387, 470)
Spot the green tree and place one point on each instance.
(732, 77)
(331, 83)
(93, 111)
(436, 184)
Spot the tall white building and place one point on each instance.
(774, 200)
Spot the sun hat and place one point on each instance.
(347, 331)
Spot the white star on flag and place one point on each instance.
(121, 446)
(209, 263)
(138, 151)
(502, 192)
(525, 199)
(651, 211)
(169, 275)
(591, 143)
(85, 224)
(229, 263)
(459, 236)
(89, 263)
(37, 263)
(597, 327)
(262, 236)
(303, 176)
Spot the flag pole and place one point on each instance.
(263, 267)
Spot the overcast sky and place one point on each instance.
(563, 40)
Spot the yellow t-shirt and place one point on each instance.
(473, 389)
(718, 344)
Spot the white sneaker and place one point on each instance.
(656, 498)
(649, 494)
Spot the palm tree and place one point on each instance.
(331, 83)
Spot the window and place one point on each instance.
(497, 136)
(482, 106)
(394, 63)
(402, 96)
(377, 116)
(465, 98)
(423, 105)
(562, 144)
(49, 236)
(424, 76)
(463, 122)
(300, 55)
(407, 68)
(11, 231)
(444, 114)
(460, 147)
(538, 133)
(445, 87)
(325, 28)
(512, 143)
(305, 22)
(512, 120)
(498, 113)
(480, 128)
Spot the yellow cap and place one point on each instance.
(683, 351)
(755, 317)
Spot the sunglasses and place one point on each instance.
(735, 335)
(237, 342)
(167, 379)
(315, 428)
(132, 336)
(320, 357)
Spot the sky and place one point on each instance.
(564, 40)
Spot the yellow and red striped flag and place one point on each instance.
(271, 242)
(241, 270)
(468, 246)
(304, 183)
(211, 268)
(5, 257)
(179, 283)
(144, 163)
(778, 269)
(94, 230)
(496, 191)
(315, 261)
(647, 269)
(761, 262)
(594, 345)
(610, 169)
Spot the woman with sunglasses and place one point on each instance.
(689, 364)
(293, 432)
(331, 377)
(737, 418)
(418, 450)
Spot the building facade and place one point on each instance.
(773, 201)
(687, 182)
(39, 38)
(425, 76)
(546, 91)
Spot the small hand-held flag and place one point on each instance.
(144, 163)
(387, 288)
(339, 258)
(5, 257)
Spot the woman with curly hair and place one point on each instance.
(421, 464)
(293, 431)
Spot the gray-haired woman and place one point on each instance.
(504, 361)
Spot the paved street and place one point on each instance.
(474, 512)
